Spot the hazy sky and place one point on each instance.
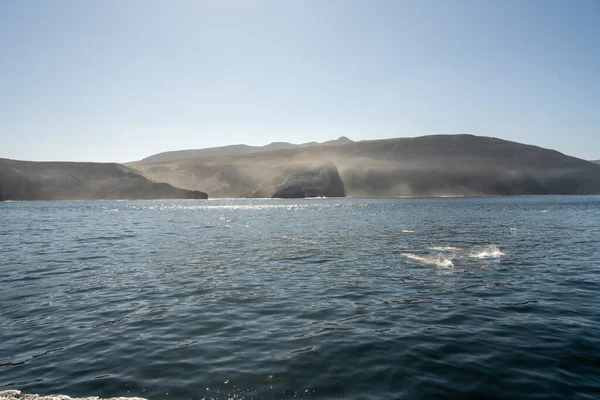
(120, 80)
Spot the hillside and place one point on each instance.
(233, 150)
(437, 165)
(25, 180)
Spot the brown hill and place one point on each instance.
(438, 165)
(26, 180)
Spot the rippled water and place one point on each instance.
(280, 299)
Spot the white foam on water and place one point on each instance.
(444, 262)
(109, 209)
(407, 231)
(17, 395)
(438, 261)
(445, 248)
(490, 251)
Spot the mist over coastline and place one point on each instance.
(436, 165)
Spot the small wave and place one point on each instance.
(445, 248)
(407, 231)
(15, 363)
(486, 252)
(438, 261)
(298, 239)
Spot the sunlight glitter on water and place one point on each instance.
(233, 207)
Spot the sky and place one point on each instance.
(119, 80)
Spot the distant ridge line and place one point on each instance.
(231, 150)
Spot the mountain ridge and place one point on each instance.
(230, 150)
(433, 165)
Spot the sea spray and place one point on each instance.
(439, 260)
(490, 251)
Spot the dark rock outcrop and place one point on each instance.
(324, 181)
(26, 180)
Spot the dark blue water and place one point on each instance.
(274, 299)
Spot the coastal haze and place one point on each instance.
(436, 165)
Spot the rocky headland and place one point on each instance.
(324, 181)
(27, 180)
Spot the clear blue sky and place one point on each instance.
(120, 80)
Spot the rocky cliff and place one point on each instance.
(324, 181)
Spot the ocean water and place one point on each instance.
(324, 298)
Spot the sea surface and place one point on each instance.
(446, 298)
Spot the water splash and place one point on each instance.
(439, 261)
(490, 251)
